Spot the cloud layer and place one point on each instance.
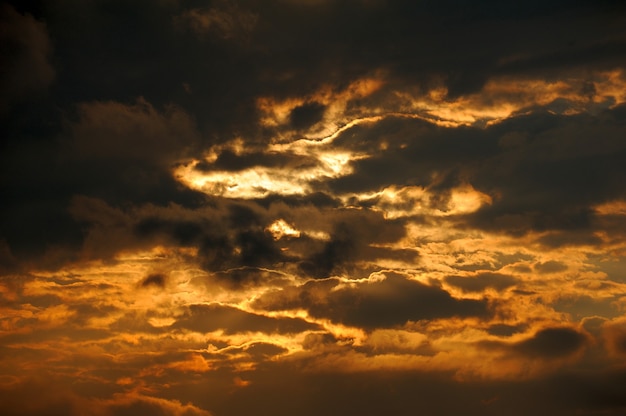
(372, 207)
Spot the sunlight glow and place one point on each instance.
(398, 202)
(261, 181)
(280, 228)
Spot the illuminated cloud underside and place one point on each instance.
(496, 102)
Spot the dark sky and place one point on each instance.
(312, 207)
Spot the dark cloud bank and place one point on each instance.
(111, 114)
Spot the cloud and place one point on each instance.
(482, 281)
(504, 330)
(59, 398)
(551, 343)
(108, 153)
(264, 350)
(131, 404)
(228, 160)
(615, 335)
(350, 237)
(135, 132)
(306, 115)
(224, 240)
(550, 267)
(226, 21)
(547, 344)
(155, 279)
(211, 317)
(26, 68)
(340, 248)
(538, 185)
(385, 303)
(347, 204)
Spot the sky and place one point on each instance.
(306, 207)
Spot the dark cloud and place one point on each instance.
(108, 154)
(136, 133)
(306, 115)
(119, 145)
(569, 238)
(183, 232)
(258, 248)
(317, 199)
(548, 344)
(206, 318)
(135, 322)
(352, 234)
(53, 399)
(391, 302)
(466, 53)
(243, 216)
(226, 21)
(86, 311)
(580, 306)
(244, 243)
(317, 340)
(292, 297)
(482, 281)
(341, 248)
(396, 301)
(263, 350)
(217, 252)
(230, 161)
(26, 49)
(537, 185)
(552, 343)
(131, 405)
(321, 40)
(243, 276)
(615, 336)
(155, 279)
(76, 332)
(545, 187)
(376, 392)
(504, 330)
(550, 266)
(232, 235)
(396, 165)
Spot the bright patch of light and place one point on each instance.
(465, 200)
(320, 161)
(280, 228)
(398, 202)
(260, 181)
(317, 235)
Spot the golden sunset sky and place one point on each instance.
(313, 207)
